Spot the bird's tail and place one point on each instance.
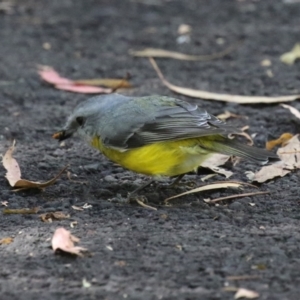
(232, 147)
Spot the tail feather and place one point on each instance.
(232, 147)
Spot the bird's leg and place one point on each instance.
(140, 188)
(176, 181)
(141, 200)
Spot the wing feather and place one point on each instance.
(171, 120)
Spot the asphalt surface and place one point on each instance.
(185, 250)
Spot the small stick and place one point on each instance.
(237, 196)
(141, 203)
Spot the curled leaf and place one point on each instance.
(63, 240)
(49, 75)
(13, 173)
(58, 215)
(290, 160)
(245, 293)
(215, 161)
(282, 140)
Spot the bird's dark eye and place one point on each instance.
(80, 121)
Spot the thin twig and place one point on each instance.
(237, 196)
(141, 203)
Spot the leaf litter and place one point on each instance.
(85, 86)
(218, 96)
(49, 217)
(215, 161)
(21, 211)
(245, 293)
(227, 114)
(13, 174)
(64, 241)
(282, 140)
(6, 241)
(290, 160)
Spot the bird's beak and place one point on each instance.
(63, 134)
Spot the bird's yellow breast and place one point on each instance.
(168, 158)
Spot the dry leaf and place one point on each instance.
(58, 215)
(13, 173)
(107, 82)
(6, 241)
(245, 293)
(49, 75)
(20, 211)
(82, 89)
(161, 53)
(213, 186)
(227, 114)
(63, 240)
(282, 140)
(244, 134)
(220, 97)
(292, 109)
(290, 57)
(77, 208)
(215, 161)
(290, 160)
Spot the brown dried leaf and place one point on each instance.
(220, 97)
(107, 82)
(20, 211)
(13, 173)
(245, 293)
(58, 215)
(49, 75)
(6, 241)
(282, 140)
(63, 240)
(290, 160)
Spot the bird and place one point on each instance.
(155, 135)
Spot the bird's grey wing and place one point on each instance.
(179, 121)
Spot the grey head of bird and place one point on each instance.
(86, 115)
